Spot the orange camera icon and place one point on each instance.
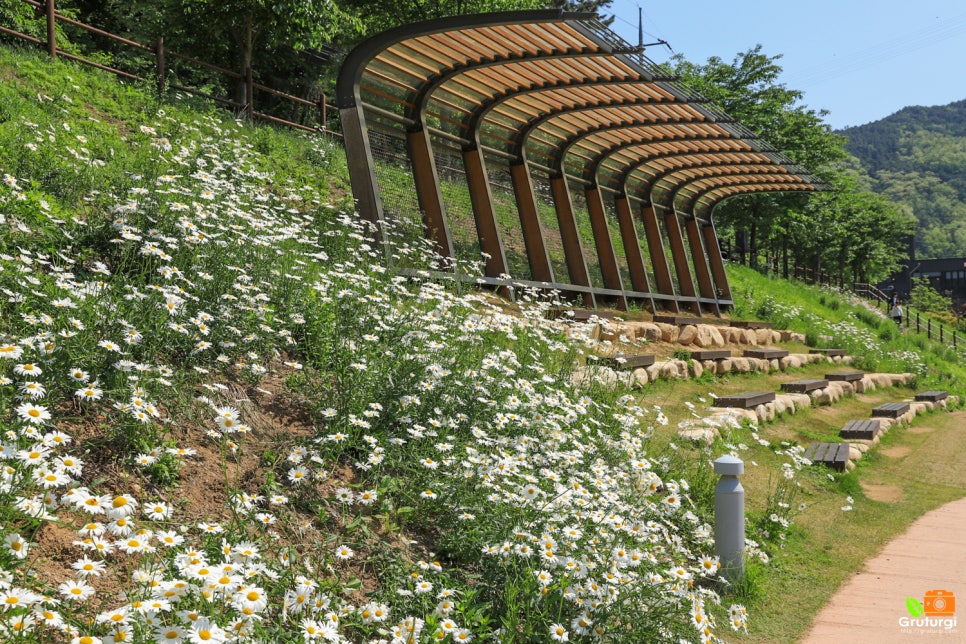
(939, 603)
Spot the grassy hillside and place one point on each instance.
(224, 421)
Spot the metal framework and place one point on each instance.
(569, 147)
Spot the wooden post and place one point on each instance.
(159, 53)
(322, 114)
(249, 93)
(51, 29)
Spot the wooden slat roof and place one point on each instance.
(559, 90)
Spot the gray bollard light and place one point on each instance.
(729, 517)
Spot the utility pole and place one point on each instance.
(640, 34)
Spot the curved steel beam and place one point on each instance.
(524, 134)
(761, 183)
(706, 208)
(707, 172)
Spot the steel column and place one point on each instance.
(427, 189)
(655, 246)
(680, 258)
(606, 256)
(632, 248)
(362, 176)
(722, 288)
(573, 252)
(486, 229)
(540, 269)
(700, 263)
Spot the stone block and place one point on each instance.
(687, 334)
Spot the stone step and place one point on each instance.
(830, 352)
(845, 376)
(860, 430)
(932, 396)
(833, 455)
(890, 410)
(627, 361)
(804, 386)
(746, 400)
(711, 354)
(765, 354)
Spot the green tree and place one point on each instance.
(592, 6)
(845, 229)
(749, 90)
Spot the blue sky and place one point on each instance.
(859, 59)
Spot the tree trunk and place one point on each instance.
(785, 255)
(753, 242)
(245, 43)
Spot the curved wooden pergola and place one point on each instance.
(577, 120)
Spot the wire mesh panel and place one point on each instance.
(394, 175)
(508, 221)
(585, 232)
(458, 205)
(666, 243)
(642, 239)
(547, 214)
(613, 225)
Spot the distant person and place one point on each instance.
(896, 312)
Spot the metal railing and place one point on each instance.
(161, 54)
(932, 329)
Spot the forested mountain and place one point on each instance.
(917, 158)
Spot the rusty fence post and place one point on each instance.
(51, 29)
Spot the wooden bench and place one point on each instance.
(890, 410)
(860, 430)
(678, 320)
(932, 396)
(845, 376)
(628, 361)
(833, 455)
(831, 353)
(804, 386)
(765, 354)
(746, 400)
(583, 315)
(710, 354)
(749, 324)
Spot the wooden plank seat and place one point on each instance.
(830, 352)
(845, 376)
(710, 354)
(890, 410)
(583, 315)
(804, 386)
(746, 400)
(750, 324)
(765, 354)
(832, 455)
(860, 430)
(678, 320)
(932, 396)
(628, 361)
